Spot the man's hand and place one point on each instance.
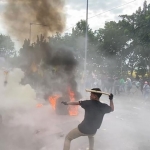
(70, 103)
(111, 102)
(111, 96)
(65, 103)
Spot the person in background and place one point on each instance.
(128, 85)
(141, 84)
(122, 85)
(117, 86)
(110, 84)
(146, 90)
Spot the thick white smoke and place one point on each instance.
(14, 94)
(21, 119)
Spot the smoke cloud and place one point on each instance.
(47, 17)
(13, 94)
(21, 120)
(64, 64)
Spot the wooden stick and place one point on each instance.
(97, 92)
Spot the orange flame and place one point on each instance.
(73, 110)
(39, 105)
(52, 100)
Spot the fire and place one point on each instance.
(73, 110)
(52, 100)
(39, 105)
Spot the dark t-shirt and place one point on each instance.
(94, 113)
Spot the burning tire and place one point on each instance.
(56, 99)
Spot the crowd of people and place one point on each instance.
(120, 85)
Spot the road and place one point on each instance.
(127, 128)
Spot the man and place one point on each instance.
(94, 113)
(117, 86)
(122, 85)
(146, 90)
(6, 72)
(128, 85)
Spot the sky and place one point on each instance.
(75, 10)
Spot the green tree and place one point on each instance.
(6, 47)
(137, 29)
(112, 43)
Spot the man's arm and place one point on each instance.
(70, 103)
(111, 102)
(112, 105)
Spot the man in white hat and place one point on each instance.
(94, 113)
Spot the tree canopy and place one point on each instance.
(118, 48)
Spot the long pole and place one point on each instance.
(31, 26)
(30, 33)
(86, 39)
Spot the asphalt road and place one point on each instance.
(127, 128)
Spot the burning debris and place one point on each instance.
(53, 100)
(39, 105)
(58, 73)
(63, 81)
(56, 100)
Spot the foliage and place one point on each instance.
(6, 47)
(117, 48)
